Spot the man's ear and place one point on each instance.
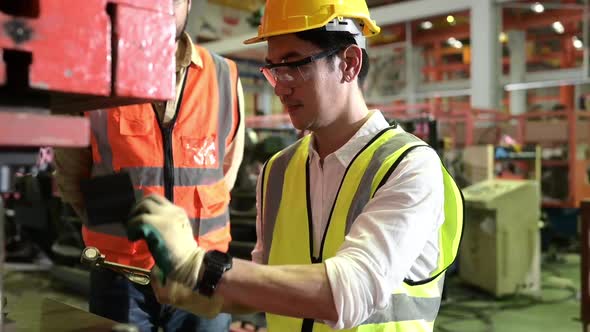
(352, 61)
(189, 5)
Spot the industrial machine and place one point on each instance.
(500, 250)
(69, 56)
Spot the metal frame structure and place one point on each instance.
(458, 113)
(461, 114)
(579, 188)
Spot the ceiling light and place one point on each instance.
(503, 37)
(426, 25)
(577, 42)
(558, 27)
(454, 42)
(538, 7)
(451, 19)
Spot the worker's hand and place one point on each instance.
(185, 298)
(169, 236)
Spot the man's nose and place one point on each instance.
(282, 90)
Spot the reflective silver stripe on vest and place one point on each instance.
(202, 226)
(270, 208)
(363, 193)
(187, 177)
(196, 176)
(226, 100)
(402, 307)
(183, 177)
(145, 176)
(99, 126)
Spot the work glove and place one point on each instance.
(169, 236)
(180, 296)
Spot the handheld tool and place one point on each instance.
(92, 257)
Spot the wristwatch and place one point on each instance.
(215, 264)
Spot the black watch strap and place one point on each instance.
(209, 281)
(214, 265)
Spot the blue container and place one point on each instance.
(561, 227)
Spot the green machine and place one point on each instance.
(501, 251)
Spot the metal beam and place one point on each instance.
(543, 20)
(557, 74)
(485, 54)
(517, 47)
(461, 87)
(545, 84)
(412, 74)
(435, 87)
(430, 37)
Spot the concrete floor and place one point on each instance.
(557, 309)
(464, 309)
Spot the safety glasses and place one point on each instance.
(295, 72)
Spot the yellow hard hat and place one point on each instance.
(289, 16)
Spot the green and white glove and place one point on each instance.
(169, 235)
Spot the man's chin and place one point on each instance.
(299, 125)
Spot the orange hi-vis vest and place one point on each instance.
(182, 161)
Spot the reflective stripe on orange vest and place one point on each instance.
(183, 162)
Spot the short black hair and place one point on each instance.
(326, 40)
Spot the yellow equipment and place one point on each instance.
(500, 251)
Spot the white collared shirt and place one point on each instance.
(395, 237)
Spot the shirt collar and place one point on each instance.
(186, 53)
(374, 124)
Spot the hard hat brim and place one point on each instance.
(254, 40)
(375, 30)
(371, 30)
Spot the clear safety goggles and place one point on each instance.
(295, 72)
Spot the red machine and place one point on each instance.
(71, 56)
(77, 55)
(115, 49)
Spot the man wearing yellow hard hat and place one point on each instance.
(357, 222)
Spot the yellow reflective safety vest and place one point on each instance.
(286, 223)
